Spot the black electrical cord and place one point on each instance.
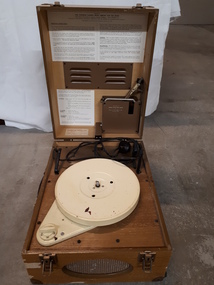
(73, 152)
(100, 150)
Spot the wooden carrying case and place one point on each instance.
(137, 248)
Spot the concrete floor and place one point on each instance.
(179, 140)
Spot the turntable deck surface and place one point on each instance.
(140, 228)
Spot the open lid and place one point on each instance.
(93, 57)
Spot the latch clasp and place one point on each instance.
(147, 258)
(47, 260)
(137, 6)
(57, 4)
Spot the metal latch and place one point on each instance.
(147, 258)
(57, 4)
(138, 6)
(47, 260)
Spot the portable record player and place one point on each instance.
(97, 217)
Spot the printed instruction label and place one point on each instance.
(76, 107)
(97, 37)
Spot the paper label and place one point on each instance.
(97, 37)
(76, 107)
(76, 132)
(33, 265)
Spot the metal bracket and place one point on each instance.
(98, 131)
(147, 258)
(47, 260)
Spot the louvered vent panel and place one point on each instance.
(81, 75)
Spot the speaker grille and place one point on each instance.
(98, 266)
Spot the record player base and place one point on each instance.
(136, 249)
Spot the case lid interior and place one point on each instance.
(93, 56)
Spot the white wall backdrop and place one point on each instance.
(23, 92)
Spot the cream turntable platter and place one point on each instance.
(90, 193)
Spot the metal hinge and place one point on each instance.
(147, 258)
(47, 260)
